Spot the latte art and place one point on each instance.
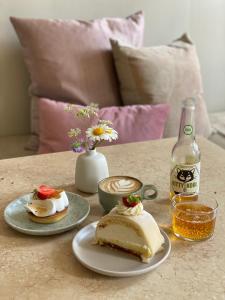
(120, 185)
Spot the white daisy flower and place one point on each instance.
(101, 132)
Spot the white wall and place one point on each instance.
(165, 21)
(207, 27)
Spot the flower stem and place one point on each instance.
(94, 145)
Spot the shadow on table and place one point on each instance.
(69, 265)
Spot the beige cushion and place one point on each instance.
(163, 74)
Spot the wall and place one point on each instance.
(207, 28)
(165, 21)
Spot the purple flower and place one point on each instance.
(78, 147)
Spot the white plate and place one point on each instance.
(16, 216)
(113, 262)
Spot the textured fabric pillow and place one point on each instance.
(163, 74)
(133, 123)
(72, 60)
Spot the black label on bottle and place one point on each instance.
(185, 178)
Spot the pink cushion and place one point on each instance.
(71, 60)
(134, 123)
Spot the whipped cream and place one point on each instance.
(122, 209)
(47, 207)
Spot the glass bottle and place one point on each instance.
(185, 160)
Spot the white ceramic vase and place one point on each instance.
(91, 167)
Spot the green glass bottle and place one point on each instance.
(185, 159)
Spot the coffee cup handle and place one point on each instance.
(146, 188)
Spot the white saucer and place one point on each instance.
(112, 262)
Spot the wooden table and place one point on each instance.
(34, 267)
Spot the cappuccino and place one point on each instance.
(123, 185)
(112, 189)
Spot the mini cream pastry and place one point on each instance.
(130, 228)
(47, 205)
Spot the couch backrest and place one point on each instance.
(165, 21)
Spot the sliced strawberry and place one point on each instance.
(125, 202)
(131, 200)
(132, 204)
(45, 192)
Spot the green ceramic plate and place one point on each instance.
(16, 216)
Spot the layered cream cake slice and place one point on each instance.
(130, 228)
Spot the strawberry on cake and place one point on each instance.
(47, 205)
(130, 228)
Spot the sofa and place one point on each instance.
(125, 47)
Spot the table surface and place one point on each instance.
(33, 267)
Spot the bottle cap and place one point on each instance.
(189, 103)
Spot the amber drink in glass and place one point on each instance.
(193, 220)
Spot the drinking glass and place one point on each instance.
(193, 216)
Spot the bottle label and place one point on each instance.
(185, 178)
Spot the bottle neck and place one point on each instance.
(187, 124)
